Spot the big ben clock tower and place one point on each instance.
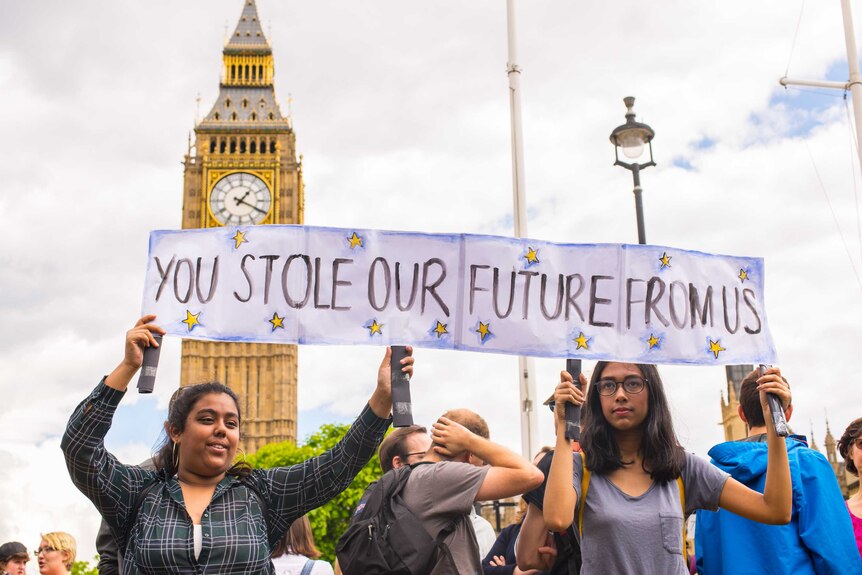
(243, 171)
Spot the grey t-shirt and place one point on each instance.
(441, 492)
(625, 534)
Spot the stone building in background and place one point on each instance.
(242, 171)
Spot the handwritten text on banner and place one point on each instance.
(309, 285)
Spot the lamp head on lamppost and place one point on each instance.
(632, 137)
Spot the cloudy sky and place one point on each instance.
(401, 113)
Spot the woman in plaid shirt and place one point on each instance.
(200, 512)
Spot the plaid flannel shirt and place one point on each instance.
(236, 536)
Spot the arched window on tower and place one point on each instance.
(233, 145)
(242, 146)
(233, 72)
(272, 146)
(222, 145)
(254, 72)
(262, 103)
(216, 116)
(245, 102)
(260, 72)
(271, 116)
(246, 72)
(233, 116)
(252, 147)
(227, 103)
(262, 146)
(254, 116)
(212, 145)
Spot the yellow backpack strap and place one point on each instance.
(682, 502)
(585, 486)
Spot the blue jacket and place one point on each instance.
(819, 538)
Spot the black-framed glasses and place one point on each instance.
(631, 384)
(42, 550)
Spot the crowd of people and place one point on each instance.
(615, 502)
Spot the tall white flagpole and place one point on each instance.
(853, 84)
(527, 385)
(855, 81)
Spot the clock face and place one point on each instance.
(240, 198)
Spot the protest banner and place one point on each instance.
(328, 286)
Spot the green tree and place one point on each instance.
(331, 520)
(85, 567)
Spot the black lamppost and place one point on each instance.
(631, 137)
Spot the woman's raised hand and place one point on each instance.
(138, 338)
(381, 400)
(567, 392)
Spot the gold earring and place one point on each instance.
(175, 456)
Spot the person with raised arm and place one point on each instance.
(200, 511)
(629, 494)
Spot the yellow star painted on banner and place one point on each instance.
(191, 319)
(715, 347)
(665, 260)
(743, 275)
(532, 256)
(653, 341)
(375, 327)
(239, 238)
(440, 329)
(484, 330)
(355, 241)
(276, 321)
(582, 341)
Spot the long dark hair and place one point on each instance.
(181, 405)
(663, 457)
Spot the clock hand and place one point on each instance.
(252, 206)
(240, 200)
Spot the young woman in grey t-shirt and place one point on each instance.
(633, 512)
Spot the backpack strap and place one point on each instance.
(307, 568)
(402, 474)
(681, 486)
(447, 531)
(585, 486)
(264, 506)
(443, 549)
(136, 507)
